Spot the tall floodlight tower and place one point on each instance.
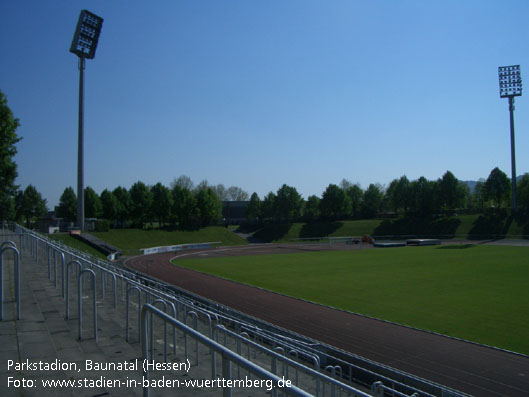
(511, 86)
(84, 45)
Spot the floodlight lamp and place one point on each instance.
(510, 81)
(86, 35)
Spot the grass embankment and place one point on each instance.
(77, 244)
(293, 231)
(130, 241)
(478, 293)
(462, 226)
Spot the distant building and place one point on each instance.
(234, 212)
(49, 223)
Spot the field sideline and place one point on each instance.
(473, 292)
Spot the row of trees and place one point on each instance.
(420, 197)
(182, 202)
(200, 206)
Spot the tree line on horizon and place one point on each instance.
(420, 197)
(182, 203)
(190, 206)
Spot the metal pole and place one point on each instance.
(513, 158)
(80, 155)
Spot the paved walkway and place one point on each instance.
(43, 346)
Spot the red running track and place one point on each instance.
(464, 366)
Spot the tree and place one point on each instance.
(497, 187)
(346, 184)
(92, 203)
(221, 192)
(141, 203)
(184, 207)
(452, 192)
(355, 194)
(31, 205)
(288, 203)
(399, 195)
(253, 210)
(372, 201)
(162, 203)
(334, 203)
(312, 208)
(67, 208)
(123, 204)
(19, 206)
(424, 196)
(390, 195)
(8, 168)
(182, 181)
(109, 204)
(235, 193)
(268, 206)
(523, 191)
(477, 198)
(203, 185)
(209, 207)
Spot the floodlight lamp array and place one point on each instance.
(86, 35)
(510, 81)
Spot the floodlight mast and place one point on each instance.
(84, 45)
(511, 86)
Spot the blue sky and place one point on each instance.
(260, 93)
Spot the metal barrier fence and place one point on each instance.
(282, 356)
(10, 246)
(228, 357)
(181, 308)
(348, 370)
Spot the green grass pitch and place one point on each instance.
(478, 293)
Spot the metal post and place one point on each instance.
(513, 159)
(226, 374)
(131, 288)
(80, 153)
(144, 349)
(67, 298)
(80, 300)
(62, 271)
(5, 247)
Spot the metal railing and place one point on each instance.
(80, 300)
(352, 372)
(282, 356)
(183, 306)
(228, 357)
(10, 246)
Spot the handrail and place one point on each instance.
(8, 242)
(378, 389)
(227, 355)
(80, 300)
(67, 300)
(9, 247)
(308, 350)
(132, 288)
(164, 303)
(285, 359)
